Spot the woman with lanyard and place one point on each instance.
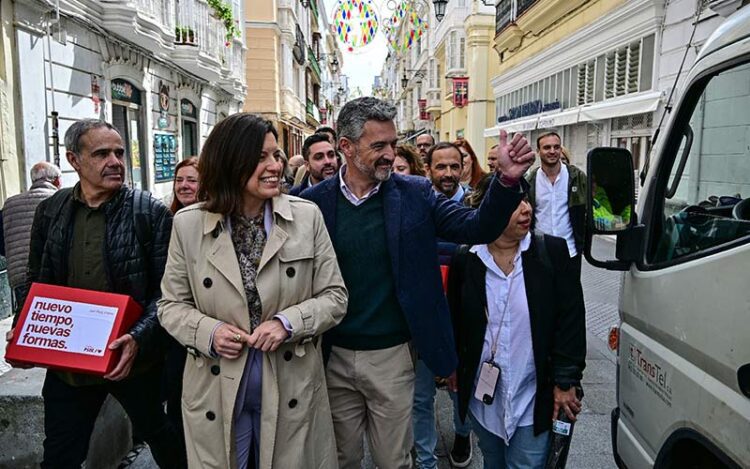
(519, 324)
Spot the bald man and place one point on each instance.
(18, 215)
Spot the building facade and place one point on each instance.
(163, 72)
(430, 82)
(597, 72)
(293, 70)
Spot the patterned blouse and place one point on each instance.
(249, 239)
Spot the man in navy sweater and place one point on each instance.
(384, 229)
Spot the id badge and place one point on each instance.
(489, 375)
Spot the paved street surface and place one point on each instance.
(591, 447)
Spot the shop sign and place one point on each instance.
(187, 109)
(123, 90)
(423, 114)
(163, 121)
(460, 92)
(529, 109)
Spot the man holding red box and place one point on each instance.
(103, 236)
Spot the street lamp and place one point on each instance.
(440, 8)
(405, 79)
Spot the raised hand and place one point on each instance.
(513, 158)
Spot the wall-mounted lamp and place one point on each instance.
(440, 8)
(405, 79)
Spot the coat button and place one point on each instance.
(215, 370)
(290, 272)
(207, 282)
(288, 355)
(293, 403)
(210, 416)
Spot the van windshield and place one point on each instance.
(707, 202)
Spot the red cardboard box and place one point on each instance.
(70, 329)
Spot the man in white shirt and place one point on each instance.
(557, 193)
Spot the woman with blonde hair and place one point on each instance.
(251, 283)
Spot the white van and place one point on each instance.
(683, 375)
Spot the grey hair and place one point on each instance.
(46, 171)
(79, 129)
(355, 114)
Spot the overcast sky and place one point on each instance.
(361, 67)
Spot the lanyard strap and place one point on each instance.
(496, 336)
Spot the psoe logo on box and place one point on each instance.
(94, 350)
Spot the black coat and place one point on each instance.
(557, 314)
(134, 262)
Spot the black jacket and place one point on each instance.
(557, 314)
(134, 255)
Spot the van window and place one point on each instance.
(706, 202)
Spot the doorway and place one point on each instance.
(126, 118)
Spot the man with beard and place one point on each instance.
(321, 161)
(557, 192)
(101, 235)
(492, 158)
(424, 143)
(445, 164)
(384, 230)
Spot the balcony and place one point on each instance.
(433, 103)
(313, 113)
(233, 73)
(183, 31)
(313, 61)
(147, 23)
(507, 11)
(201, 44)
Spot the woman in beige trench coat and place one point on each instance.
(229, 323)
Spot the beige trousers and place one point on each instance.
(371, 391)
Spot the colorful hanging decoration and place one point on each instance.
(405, 26)
(355, 23)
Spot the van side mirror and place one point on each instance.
(611, 196)
(610, 206)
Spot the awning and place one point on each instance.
(558, 119)
(625, 106)
(518, 125)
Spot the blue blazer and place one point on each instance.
(415, 216)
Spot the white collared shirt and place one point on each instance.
(515, 394)
(551, 212)
(356, 201)
(458, 196)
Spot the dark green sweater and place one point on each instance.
(374, 319)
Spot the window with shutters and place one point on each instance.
(619, 72)
(462, 52)
(586, 82)
(456, 51)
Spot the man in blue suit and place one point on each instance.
(384, 230)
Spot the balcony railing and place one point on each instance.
(312, 110)
(186, 31)
(196, 26)
(162, 11)
(313, 62)
(507, 11)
